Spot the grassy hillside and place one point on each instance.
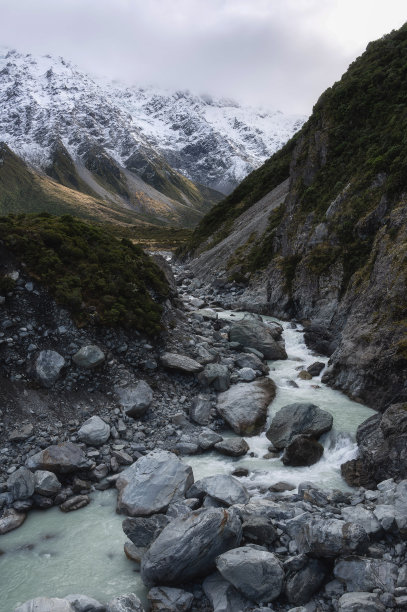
(97, 276)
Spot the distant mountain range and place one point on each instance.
(134, 153)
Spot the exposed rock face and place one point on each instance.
(182, 363)
(62, 458)
(94, 431)
(244, 405)
(89, 357)
(296, 419)
(258, 335)
(187, 547)
(48, 366)
(382, 441)
(302, 450)
(135, 399)
(152, 483)
(257, 574)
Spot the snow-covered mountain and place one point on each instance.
(116, 135)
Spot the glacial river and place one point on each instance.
(54, 554)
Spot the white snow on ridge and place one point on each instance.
(212, 141)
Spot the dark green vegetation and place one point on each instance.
(97, 276)
(350, 157)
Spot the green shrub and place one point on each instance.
(86, 266)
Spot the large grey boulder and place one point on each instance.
(200, 410)
(168, 599)
(328, 538)
(89, 357)
(83, 603)
(360, 515)
(21, 483)
(135, 399)
(142, 530)
(45, 604)
(244, 406)
(259, 530)
(256, 334)
(364, 574)
(181, 363)
(188, 546)
(125, 603)
(358, 602)
(150, 484)
(232, 447)
(94, 431)
(295, 419)
(63, 458)
(223, 595)
(225, 489)
(48, 366)
(46, 483)
(302, 450)
(257, 574)
(215, 375)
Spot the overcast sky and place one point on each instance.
(275, 53)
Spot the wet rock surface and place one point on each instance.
(328, 544)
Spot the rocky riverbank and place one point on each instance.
(93, 408)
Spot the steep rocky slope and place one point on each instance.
(165, 156)
(334, 249)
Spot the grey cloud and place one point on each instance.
(264, 52)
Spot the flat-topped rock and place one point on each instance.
(152, 483)
(63, 458)
(244, 405)
(181, 363)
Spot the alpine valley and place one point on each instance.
(241, 401)
(110, 152)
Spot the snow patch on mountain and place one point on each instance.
(212, 141)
